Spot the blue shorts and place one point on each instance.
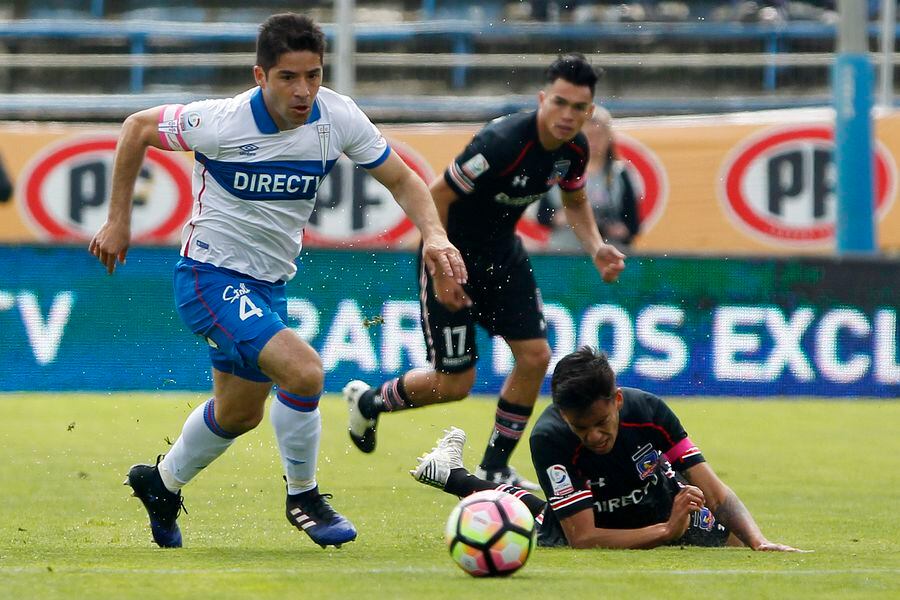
(235, 313)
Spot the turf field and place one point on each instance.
(820, 475)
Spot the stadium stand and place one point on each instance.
(100, 59)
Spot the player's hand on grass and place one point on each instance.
(688, 501)
(767, 546)
(442, 258)
(450, 294)
(111, 244)
(609, 262)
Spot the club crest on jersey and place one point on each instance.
(475, 166)
(645, 461)
(559, 480)
(190, 121)
(324, 130)
(560, 170)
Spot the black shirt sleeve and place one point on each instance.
(678, 447)
(483, 158)
(566, 491)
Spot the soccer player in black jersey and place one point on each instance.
(618, 469)
(512, 162)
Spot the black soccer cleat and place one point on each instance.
(361, 429)
(311, 514)
(162, 506)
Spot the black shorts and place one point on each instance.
(505, 301)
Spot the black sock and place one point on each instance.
(509, 424)
(389, 397)
(462, 483)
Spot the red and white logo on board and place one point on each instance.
(648, 176)
(780, 185)
(65, 190)
(352, 207)
(651, 186)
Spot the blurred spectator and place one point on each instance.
(609, 189)
(5, 184)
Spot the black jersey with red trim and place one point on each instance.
(623, 487)
(503, 170)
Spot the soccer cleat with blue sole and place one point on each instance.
(163, 506)
(312, 514)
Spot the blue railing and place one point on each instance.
(461, 34)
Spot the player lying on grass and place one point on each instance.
(617, 466)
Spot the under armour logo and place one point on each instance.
(520, 180)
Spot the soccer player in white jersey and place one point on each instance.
(260, 157)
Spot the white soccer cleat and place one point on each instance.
(361, 429)
(434, 468)
(507, 475)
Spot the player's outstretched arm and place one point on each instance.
(730, 511)
(412, 195)
(581, 532)
(111, 242)
(607, 258)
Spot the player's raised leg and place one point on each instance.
(296, 369)
(443, 468)
(413, 389)
(514, 407)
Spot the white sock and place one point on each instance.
(201, 442)
(298, 427)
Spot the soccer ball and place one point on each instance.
(490, 533)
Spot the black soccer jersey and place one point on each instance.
(503, 170)
(628, 492)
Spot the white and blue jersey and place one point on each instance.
(255, 186)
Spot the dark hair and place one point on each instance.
(581, 378)
(575, 69)
(287, 32)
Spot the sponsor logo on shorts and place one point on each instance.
(560, 480)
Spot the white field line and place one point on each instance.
(66, 570)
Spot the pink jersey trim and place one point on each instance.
(181, 140)
(162, 136)
(679, 450)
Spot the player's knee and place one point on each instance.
(456, 386)
(534, 358)
(238, 421)
(305, 378)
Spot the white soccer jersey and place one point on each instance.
(255, 186)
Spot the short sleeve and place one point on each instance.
(191, 126)
(482, 158)
(567, 492)
(364, 144)
(679, 449)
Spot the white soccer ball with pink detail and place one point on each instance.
(490, 533)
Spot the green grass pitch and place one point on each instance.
(820, 475)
